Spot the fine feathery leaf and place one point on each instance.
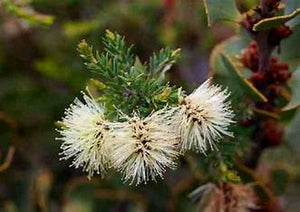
(160, 63)
(115, 46)
(126, 83)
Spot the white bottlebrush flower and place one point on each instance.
(206, 115)
(83, 133)
(143, 148)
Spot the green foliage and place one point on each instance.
(230, 47)
(269, 23)
(279, 179)
(221, 10)
(292, 131)
(295, 88)
(247, 88)
(291, 6)
(226, 70)
(32, 63)
(133, 16)
(22, 10)
(289, 53)
(160, 63)
(124, 82)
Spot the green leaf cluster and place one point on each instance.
(22, 10)
(221, 10)
(228, 71)
(124, 83)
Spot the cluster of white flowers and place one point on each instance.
(142, 148)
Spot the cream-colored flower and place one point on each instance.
(83, 133)
(225, 197)
(143, 148)
(205, 116)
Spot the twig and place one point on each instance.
(10, 121)
(258, 180)
(9, 157)
(11, 151)
(14, 127)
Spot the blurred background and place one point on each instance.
(41, 73)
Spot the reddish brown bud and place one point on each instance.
(249, 57)
(278, 34)
(272, 132)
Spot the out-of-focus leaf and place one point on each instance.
(221, 10)
(266, 113)
(290, 6)
(73, 29)
(76, 205)
(231, 47)
(295, 87)
(244, 84)
(269, 23)
(168, 35)
(9, 206)
(246, 5)
(287, 115)
(292, 131)
(26, 13)
(279, 179)
(289, 53)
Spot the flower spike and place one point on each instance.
(83, 134)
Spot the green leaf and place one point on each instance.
(116, 47)
(295, 88)
(279, 179)
(289, 53)
(123, 82)
(86, 52)
(231, 47)
(293, 132)
(247, 5)
(160, 63)
(286, 116)
(244, 84)
(269, 23)
(221, 10)
(76, 28)
(290, 6)
(27, 14)
(266, 113)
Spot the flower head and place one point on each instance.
(225, 197)
(206, 117)
(144, 148)
(83, 134)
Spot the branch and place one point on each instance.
(9, 157)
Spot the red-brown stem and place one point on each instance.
(264, 7)
(264, 55)
(264, 52)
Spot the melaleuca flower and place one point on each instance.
(225, 197)
(205, 117)
(144, 148)
(83, 133)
